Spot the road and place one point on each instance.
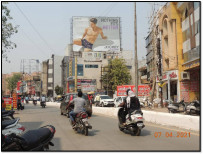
(105, 135)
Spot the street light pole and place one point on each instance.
(136, 62)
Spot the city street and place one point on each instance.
(105, 135)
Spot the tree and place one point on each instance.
(118, 74)
(58, 90)
(12, 81)
(7, 31)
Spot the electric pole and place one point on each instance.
(136, 62)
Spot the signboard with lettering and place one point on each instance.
(143, 90)
(14, 101)
(8, 102)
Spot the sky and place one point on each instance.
(44, 27)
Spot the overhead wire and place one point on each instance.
(34, 27)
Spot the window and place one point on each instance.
(50, 75)
(80, 69)
(91, 66)
(50, 66)
(50, 84)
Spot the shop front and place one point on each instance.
(190, 87)
(169, 85)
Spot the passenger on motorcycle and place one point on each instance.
(130, 104)
(79, 104)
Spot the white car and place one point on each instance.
(119, 100)
(105, 100)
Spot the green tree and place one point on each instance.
(58, 90)
(7, 31)
(117, 74)
(12, 81)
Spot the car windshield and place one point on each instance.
(105, 97)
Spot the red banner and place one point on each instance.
(18, 86)
(143, 90)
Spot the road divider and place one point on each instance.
(167, 119)
(177, 120)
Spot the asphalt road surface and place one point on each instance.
(105, 135)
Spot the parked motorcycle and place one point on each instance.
(134, 122)
(177, 107)
(32, 140)
(7, 115)
(43, 104)
(12, 126)
(81, 123)
(193, 108)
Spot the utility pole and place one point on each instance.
(136, 62)
(76, 74)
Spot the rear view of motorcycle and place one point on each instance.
(32, 140)
(81, 124)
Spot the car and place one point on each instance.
(119, 100)
(106, 100)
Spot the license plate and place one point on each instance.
(84, 120)
(140, 124)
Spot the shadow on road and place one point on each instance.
(57, 144)
(144, 132)
(93, 132)
(31, 125)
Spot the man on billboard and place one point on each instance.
(90, 35)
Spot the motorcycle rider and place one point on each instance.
(130, 104)
(43, 99)
(79, 104)
(26, 99)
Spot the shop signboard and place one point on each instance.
(14, 101)
(8, 102)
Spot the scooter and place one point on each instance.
(193, 108)
(12, 126)
(177, 107)
(43, 104)
(134, 122)
(32, 140)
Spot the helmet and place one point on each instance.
(127, 91)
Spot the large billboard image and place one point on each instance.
(96, 34)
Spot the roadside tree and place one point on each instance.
(117, 74)
(12, 82)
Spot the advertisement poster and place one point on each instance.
(96, 34)
(8, 102)
(14, 101)
(143, 90)
(18, 86)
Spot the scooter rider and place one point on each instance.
(130, 104)
(43, 99)
(79, 104)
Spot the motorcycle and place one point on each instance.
(43, 104)
(12, 126)
(134, 122)
(32, 140)
(81, 123)
(177, 107)
(26, 101)
(7, 115)
(193, 108)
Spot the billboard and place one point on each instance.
(143, 90)
(96, 34)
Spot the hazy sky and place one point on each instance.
(51, 20)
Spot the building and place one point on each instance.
(142, 72)
(50, 87)
(189, 57)
(44, 77)
(170, 27)
(89, 69)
